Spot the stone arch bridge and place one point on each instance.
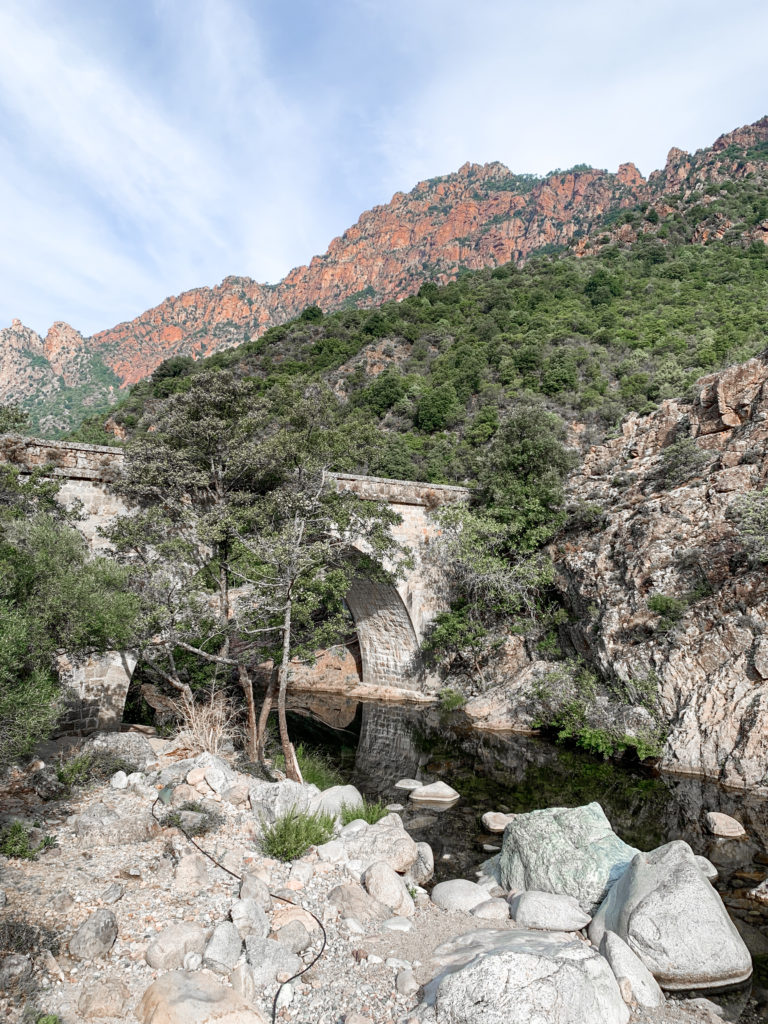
(390, 620)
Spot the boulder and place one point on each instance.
(458, 894)
(499, 977)
(95, 936)
(671, 917)
(492, 910)
(548, 911)
(271, 800)
(216, 772)
(333, 799)
(437, 794)
(181, 998)
(254, 888)
(422, 869)
(119, 781)
(223, 949)
(354, 902)
(294, 936)
(99, 825)
(495, 821)
(387, 841)
(104, 999)
(268, 958)
(643, 987)
(249, 918)
(15, 972)
(166, 952)
(572, 851)
(725, 826)
(707, 868)
(386, 886)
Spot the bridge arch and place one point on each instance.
(390, 619)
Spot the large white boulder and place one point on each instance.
(670, 916)
(568, 850)
(332, 800)
(271, 800)
(458, 894)
(386, 886)
(436, 794)
(548, 911)
(499, 977)
(387, 840)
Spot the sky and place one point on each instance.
(151, 146)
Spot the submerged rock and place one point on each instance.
(670, 916)
(571, 851)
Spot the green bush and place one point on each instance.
(316, 767)
(682, 460)
(293, 833)
(669, 609)
(369, 810)
(15, 842)
(91, 767)
(451, 699)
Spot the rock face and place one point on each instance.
(480, 216)
(676, 537)
(498, 977)
(673, 920)
(570, 851)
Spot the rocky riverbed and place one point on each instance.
(134, 924)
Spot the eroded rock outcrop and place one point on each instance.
(673, 535)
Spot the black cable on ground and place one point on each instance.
(234, 874)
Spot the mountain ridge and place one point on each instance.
(479, 216)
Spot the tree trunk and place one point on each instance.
(251, 734)
(261, 730)
(291, 764)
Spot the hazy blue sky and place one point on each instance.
(149, 146)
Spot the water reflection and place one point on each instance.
(520, 773)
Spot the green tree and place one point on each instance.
(54, 599)
(243, 549)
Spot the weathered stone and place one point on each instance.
(131, 747)
(333, 852)
(253, 888)
(333, 799)
(707, 868)
(249, 918)
(167, 951)
(354, 902)
(294, 936)
(223, 949)
(572, 851)
(502, 976)
(458, 894)
(671, 917)
(271, 800)
(99, 825)
(95, 936)
(724, 825)
(47, 784)
(268, 958)
(112, 893)
(181, 998)
(408, 784)
(242, 982)
(386, 886)
(387, 841)
(237, 795)
(406, 983)
(104, 999)
(495, 821)
(489, 873)
(423, 868)
(436, 793)
(492, 910)
(643, 987)
(549, 911)
(119, 781)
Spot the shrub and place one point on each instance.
(90, 767)
(682, 460)
(209, 724)
(450, 699)
(210, 822)
(669, 609)
(293, 833)
(369, 810)
(315, 767)
(18, 936)
(15, 842)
